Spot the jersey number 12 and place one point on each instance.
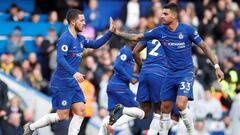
(153, 51)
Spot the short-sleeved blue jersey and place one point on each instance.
(177, 46)
(123, 66)
(70, 50)
(156, 61)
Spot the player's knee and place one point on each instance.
(147, 112)
(181, 106)
(81, 111)
(166, 108)
(63, 116)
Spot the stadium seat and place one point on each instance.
(26, 5)
(3, 44)
(29, 29)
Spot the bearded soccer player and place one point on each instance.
(176, 39)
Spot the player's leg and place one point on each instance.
(59, 102)
(78, 108)
(168, 96)
(127, 111)
(184, 94)
(175, 115)
(103, 130)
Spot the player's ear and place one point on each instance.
(72, 22)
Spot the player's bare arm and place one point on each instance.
(213, 59)
(136, 54)
(134, 37)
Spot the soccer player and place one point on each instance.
(153, 72)
(118, 90)
(176, 39)
(67, 93)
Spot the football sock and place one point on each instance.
(75, 124)
(45, 121)
(134, 112)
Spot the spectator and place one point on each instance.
(14, 107)
(225, 48)
(93, 15)
(15, 46)
(208, 107)
(3, 105)
(200, 128)
(89, 94)
(133, 14)
(28, 115)
(26, 68)
(32, 58)
(95, 122)
(190, 10)
(18, 74)
(103, 98)
(7, 63)
(13, 127)
(13, 11)
(235, 113)
(35, 17)
(227, 23)
(207, 24)
(53, 17)
(36, 80)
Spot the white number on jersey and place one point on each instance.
(153, 51)
(185, 86)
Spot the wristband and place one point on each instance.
(216, 66)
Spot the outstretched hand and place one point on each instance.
(112, 26)
(219, 74)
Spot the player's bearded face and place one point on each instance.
(80, 22)
(167, 17)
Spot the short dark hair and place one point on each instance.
(173, 6)
(72, 14)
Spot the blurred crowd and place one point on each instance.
(216, 103)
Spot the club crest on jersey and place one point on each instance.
(64, 48)
(64, 102)
(180, 36)
(123, 57)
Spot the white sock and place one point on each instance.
(173, 123)
(134, 112)
(75, 124)
(45, 121)
(165, 123)
(155, 125)
(122, 120)
(102, 128)
(187, 120)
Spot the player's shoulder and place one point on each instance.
(157, 28)
(187, 27)
(125, 49)
(80, 36)
(65, 37)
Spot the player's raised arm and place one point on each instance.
(213, 59)
(134, 37)
(136, 53)
(101, 41)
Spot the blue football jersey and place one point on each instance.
(177, 46)
(156, 61)
(70, 50)
(123, 66)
